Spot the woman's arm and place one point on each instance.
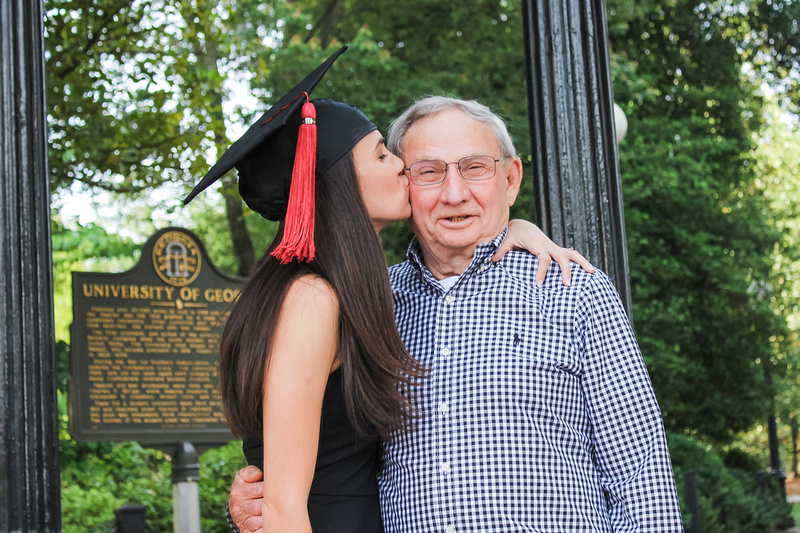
(303, 353)
(524, 235)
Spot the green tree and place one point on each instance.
(779, 173)
(114, 108)
(81, 250)
(136, 90)
(699, 237)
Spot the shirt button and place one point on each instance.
(445, 467)
(445, 352)
(449, 529)
(484, 266)
(449, 298)
(443, 407)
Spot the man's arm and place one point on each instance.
(631, 454)
(244, 505)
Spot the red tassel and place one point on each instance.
(298, 234)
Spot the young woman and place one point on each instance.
(310, 358)
(312, 368)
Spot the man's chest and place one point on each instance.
(489, 353)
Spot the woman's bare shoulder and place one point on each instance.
(312, 290)
(307, 330)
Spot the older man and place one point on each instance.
(538, 412)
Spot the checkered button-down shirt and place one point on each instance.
(539, 414)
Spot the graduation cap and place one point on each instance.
(280, 155)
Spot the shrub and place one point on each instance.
(99, 478)
(739, 498)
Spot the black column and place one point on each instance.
(29, 476)
(575, 160)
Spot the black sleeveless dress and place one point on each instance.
(344, 492)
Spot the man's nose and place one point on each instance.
(455, 188)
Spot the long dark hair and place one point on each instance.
(375, 363)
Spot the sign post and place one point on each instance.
(185, 491)
(144, 356)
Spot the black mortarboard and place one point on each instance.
(281, 144)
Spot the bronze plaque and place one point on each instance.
(144, 347)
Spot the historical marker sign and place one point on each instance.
(144, 347)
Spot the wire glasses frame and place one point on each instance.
(471, 168)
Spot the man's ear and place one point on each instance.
(513, 180)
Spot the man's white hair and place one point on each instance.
(431, 105)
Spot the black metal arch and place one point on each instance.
(29, 475)
(575, 159)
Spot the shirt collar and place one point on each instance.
(483, 255)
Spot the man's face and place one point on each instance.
(456, 215)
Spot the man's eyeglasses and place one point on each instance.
(471, 168)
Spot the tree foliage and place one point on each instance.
(699, 233)
(779, 173)
(136, 90)
(78, 250)
(113, 95)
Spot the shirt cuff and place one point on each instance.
(229, 518)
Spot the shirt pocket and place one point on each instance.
(531, 337)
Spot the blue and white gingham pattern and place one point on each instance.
(229, 518)
(539, 414)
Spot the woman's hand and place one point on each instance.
(524, 235)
